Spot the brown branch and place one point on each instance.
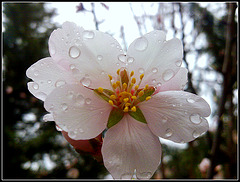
(227, 68)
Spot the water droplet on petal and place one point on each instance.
(168, 74)
(153, 81)
(85, 81)
(130, 60)
(75, 71)
(48, 117)
(122, 58)
(70, 94)
(72, 66)
(144, 175)
(141, 44)
(126, 176)
(168, 132)
(52, 48)
(58, 128)
(141, 70)
(190, 100)
(88, 100)
(49, 81)
(99, 57)
(178, 63)
(72, 134)
(74, 52)
(79, 100)
(195, 134)
(36, 73)
(154, 70)
(112, 44)
(64, 106)
(88, 34)
(195, 118)
(164, 119)
(60, 83)
(35, 86)
(41, 95)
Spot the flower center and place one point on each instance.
(125, 93)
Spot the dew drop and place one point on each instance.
(190, 100)
(35, 86)
(72, 134)
(168, 74)
(75, 71)
(126, 176)
(72, 66)
(195, 118)
(52, 48)
(41, 95)
(99, 57)
(49, 81)
(144, 175)
(74, 52)
(141, 44)
(141, 70)
(80, 130)
(159, 84)
(130, 60)
(64, 107)
(88, 34)
(195, 134)
(153, 81)
(58, 128)
(112, 44)
(85, 81)
(79, 100)
(48, 117)
(36, 73)
(168, 132)
(60, 83)
(88, 101)
(154, 70)
(164, 119)
(122, 58)
(178, 63)
(70, 94)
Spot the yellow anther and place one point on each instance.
(127, 104)
(100, 89)
(146, 87)
(110, 102)
(132, 73)
(124, 85)
(141, 76)
(118, 83)
(140, 93)
(126, 99)
(110, 77)
(113, 97)
(125, 109)
(133, 80)
(147, 98)
(134, 97)
(136, 87)
(114, 85)
(118, 71)
(133, 109)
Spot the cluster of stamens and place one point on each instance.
(126, 92)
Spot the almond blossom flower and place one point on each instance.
(89, 85)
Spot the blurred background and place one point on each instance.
(32, 148)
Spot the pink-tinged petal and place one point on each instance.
(130, 145)
(177, 82)
(47, 75)
(78, 111)
(91, 55)
(176, 115)
(157, 58)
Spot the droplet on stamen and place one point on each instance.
(85, 81)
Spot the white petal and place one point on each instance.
(131, 145)
(158, 59)
(78, 111)
(177, 82)
(47, 75)
(176, 115)
(91, 55)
